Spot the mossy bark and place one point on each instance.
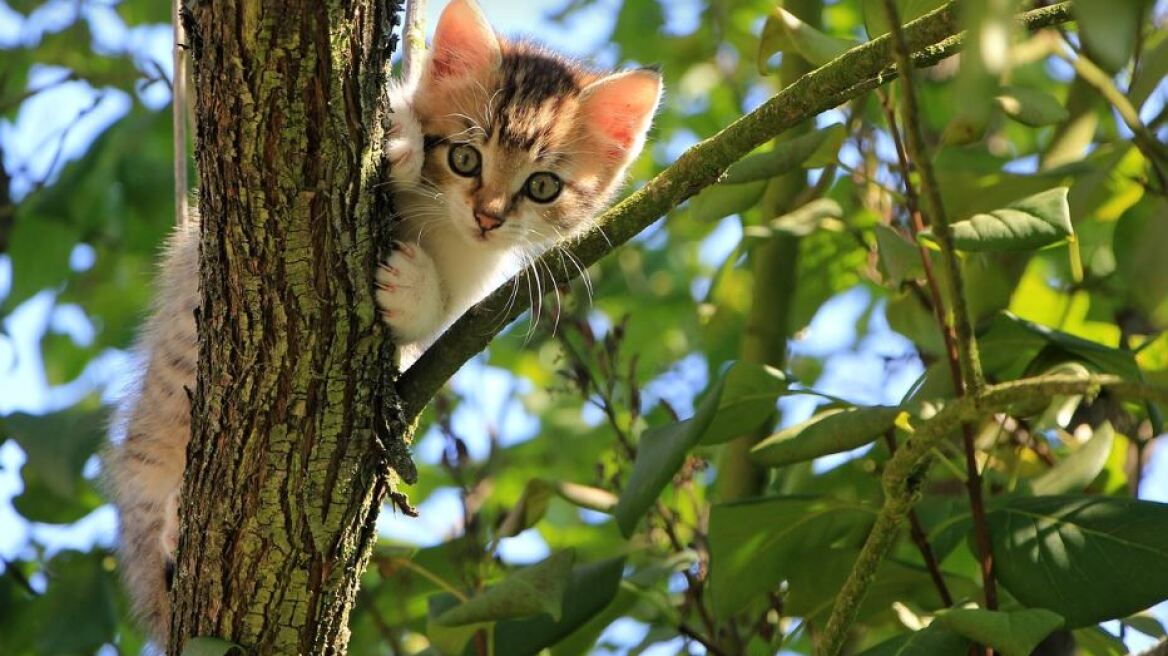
(296, 430)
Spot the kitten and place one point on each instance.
(501, 150)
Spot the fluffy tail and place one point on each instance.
(144, 469)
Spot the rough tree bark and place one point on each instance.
(296, 428)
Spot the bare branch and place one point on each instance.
(414, 37)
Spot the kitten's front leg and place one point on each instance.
(409, 294)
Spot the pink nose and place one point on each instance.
(487, 222)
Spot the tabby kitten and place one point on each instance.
(501, 150)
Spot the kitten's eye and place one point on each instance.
(543, 187)
(465, 160)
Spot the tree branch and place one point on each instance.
(932, 37)
(414, 40)
(903, 473)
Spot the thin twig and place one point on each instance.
(967, 377)
(179, 103)
(917, 531)
(414, 38)
(857, 71)
(711, 648)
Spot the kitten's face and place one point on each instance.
(523, 147)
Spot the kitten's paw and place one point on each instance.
(405, 146)
(168, 537)
(408, 293)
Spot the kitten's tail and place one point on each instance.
(146, 568)
(143, 470)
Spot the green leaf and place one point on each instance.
(832, 431)
(746, 399)
(39, 251)
(529, 591)
(77, 611)
(1014, 633)
(1012, 345)
(755, 545)
(590, 590)
(1030, 106)
(876, 20)
(204, 646)
(136, 12)
(900, 258)
(660, 453)
(1077, 470)
(1088, 559)
(1109, 29)
(57, 446)
(785, 33)
(528, 510)
(812, 150)
(821, 213)
(1026, 224)
(1140, 236)
(1152, 70)
(1096, 641)
(723, 199)
(933, 640)
(1147, 624)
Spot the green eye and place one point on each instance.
(465, 160)
(543, 187)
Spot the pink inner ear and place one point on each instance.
(621, 107)
(463, 42)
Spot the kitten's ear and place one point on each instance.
(619, 109)
(464, 43)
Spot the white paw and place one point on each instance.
(405, 146)
(170, 526)
(408, 293)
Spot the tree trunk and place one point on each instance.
(296, 429)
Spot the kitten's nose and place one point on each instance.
(488, 222)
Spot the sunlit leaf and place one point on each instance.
(590, 589)
(1030, 106)
(529, 591)
(746, 399)
(1088, 559)
(933, 640)
(1026, 224)
(724, 199)
(899, 257)
(811, 150)
(831, 431)
(1014, 633)
(1110, 29)
(755, 545)
(1077, 470)
(785, 33)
